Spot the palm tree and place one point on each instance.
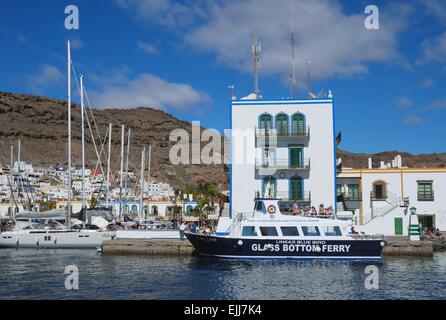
(203, 208)
(208, 190)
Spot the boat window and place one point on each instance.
(249, 232)
(269, 231)
(311, 231)
(259, 206)
(289, 231)
(332, 231)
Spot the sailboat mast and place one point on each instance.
(127, 162)
(69, 138)
(141, 201)
(18, 174)
(11, 198)
(84, 202)
(108, 162)
(148, 171)
(121, 172)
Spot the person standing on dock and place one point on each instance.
(182, 229)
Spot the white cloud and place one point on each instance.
(47, 76)
(413, 120)
(436, 8)
(337, 43)
(434, 50)
(77, 43)
(22, 39)
(147, 47)
(147, 90)
(166, 13)
(427, 83)
(439, 104)
(403, 102)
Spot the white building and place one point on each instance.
(382, 197)
(156, 190)
(284, 149)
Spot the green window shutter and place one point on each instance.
(298, 124)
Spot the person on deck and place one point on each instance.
(183, 227)
(296, 210)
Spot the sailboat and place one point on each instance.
(45, 231)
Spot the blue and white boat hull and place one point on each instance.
(237, 248)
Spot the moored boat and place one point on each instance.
(266, 233)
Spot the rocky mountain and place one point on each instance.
(41, 125)
(360, 160)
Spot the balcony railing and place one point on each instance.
(422, 196)
(291, 133)
(282, 165)
(378, 196)
(352, 196)
(299, 197)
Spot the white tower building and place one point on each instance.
(275, 154)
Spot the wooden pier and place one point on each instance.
(152, 247)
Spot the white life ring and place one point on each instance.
(271, 209)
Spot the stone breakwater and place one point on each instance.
(171, 247)
(153, 247)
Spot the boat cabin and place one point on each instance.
(267, 222)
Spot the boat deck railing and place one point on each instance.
(368, 236)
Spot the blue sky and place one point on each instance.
(388, 84)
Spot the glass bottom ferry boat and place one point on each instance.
(268, 234)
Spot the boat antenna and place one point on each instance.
(293, 84)
(232, 88)
(69, 135)
(309, 78)
(256, 49)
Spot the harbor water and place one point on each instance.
(39, 274)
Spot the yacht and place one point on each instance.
(54, 239)
(48, 230)
(149, 229)
(266, 233)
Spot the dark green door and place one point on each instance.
(296, 160)
(398, 226)
(296, 188)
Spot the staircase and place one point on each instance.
(393, 202)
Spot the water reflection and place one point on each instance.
(40, 275)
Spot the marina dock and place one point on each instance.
(151, 247)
